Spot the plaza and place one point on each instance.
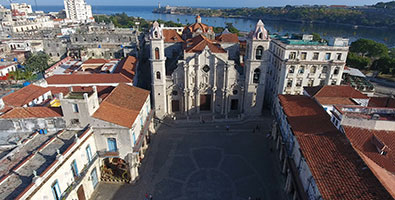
(189, 160)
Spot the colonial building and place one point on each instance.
(299, 62)
(197, 73)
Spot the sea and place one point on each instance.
(327, 31)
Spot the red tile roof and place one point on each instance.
(87, 79)
(335, 91)
(337, 169)
(123, 105)
(127, 67)
(102, 91)
(96, 61)
(228, 38)
(194, 27)
(32, 112)
(361, 139)
(171, 36)
(336, 100)
(198, 43)
(24, 95)
(382, 102)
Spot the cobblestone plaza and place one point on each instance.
(205, 161)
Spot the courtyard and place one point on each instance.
(194, 161)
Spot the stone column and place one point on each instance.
(197, 100)
(213, 100)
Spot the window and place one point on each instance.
(75, 121)
(339, 56)
(313, 69)
(174, 93)
(157, 53)
(289, 83)
(292, 55)
(95, 180)
(336, 72)
(206, 68)
(303, 56)
(310, 83)
(56, 190)
(88, 153)
(235, 92)
(74, 169)
(259, 53)
(301, 70)
(112, 144)
(325, 69)
(333, 82)
(158, 75)
(322, 82)
(327, 56)
(156, 34)
(299, 83)
(75, 107)
(291, 70)
(257, 74)
(134, 138)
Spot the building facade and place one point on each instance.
(197, 73)
(78, 10)
(299, 62)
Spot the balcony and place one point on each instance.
(79, 178)
(108, 154)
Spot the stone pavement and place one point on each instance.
(192, 161)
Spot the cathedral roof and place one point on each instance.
(171, 36)
(227, 37)
(199, 43)
(196, 26)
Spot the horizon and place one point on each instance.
(207, 3)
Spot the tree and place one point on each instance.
(37, 62)
(21, 74)
(231, 28)
(356, 61)
(384, 65)
(369, 48)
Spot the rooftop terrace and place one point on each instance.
(35, 156)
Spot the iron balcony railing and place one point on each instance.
(79, 178)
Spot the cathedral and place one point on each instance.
(196, 72)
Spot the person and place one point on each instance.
(227, 127)
(150, 197)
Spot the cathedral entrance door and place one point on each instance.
(234, 104)
(205, 102)
(175, 105)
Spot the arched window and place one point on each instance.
(260, 35)
(325, 69)
(156, 34)
(259, 52)
(336, 71)
(157, 53)
(257, 74)
(313, 70)
(157, 75)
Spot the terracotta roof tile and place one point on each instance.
(171, 36)
(24, 95)
(227, 38)
(335, 91)
(335, 101)
(96, 61)
(198, 43)
(87, 79)
(337, 169)
(127, 67)
(196, 26)
(32, 112)
(123, 105)
(361, 139)
(387, 102)
(102, 91)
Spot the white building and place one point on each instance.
(21, 8)
(296, 63)
(78, 10)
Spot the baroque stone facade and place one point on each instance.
(199, 73)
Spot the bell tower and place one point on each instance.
(158, 70)
(257, 62)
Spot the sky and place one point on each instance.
(207, 3)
